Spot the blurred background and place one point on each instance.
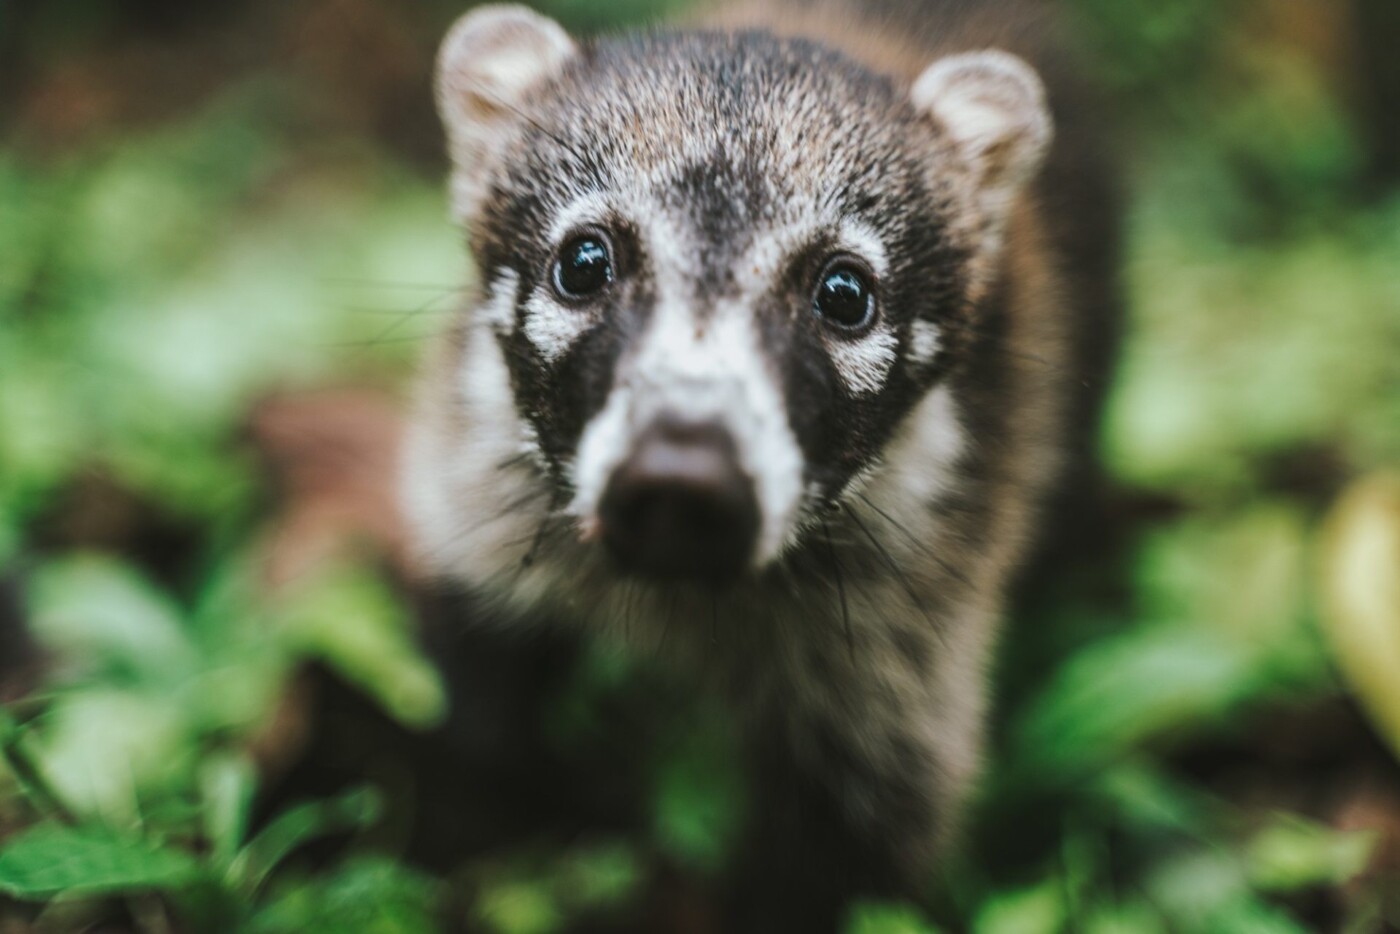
(223, 241)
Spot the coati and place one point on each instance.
(776, 352)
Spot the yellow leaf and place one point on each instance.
(1361, 596)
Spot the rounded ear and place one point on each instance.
(490, 61)
(992, 104)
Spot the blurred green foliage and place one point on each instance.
(154, 286)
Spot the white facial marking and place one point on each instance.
(605, 442)
(552, 328)
(770, 251)
(447, 472)
(498, 313)
(864, 363)
(711, 372)
(587, 209)
(925, 340)
(861, 240)
(919, 463)
(672, 253)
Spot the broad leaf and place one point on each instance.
(354, 622)
(97, 613)
(299, 825)
(369, 895)
(228, 783)
(1292, 853)
(54, 859)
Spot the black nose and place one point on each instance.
(681, 506)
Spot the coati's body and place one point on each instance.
(894, 471)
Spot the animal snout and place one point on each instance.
(680, 505)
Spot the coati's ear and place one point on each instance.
(490, 61)
(992, 104)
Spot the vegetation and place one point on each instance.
(1198, 721)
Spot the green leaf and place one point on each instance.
(1207, 889)
(54, 859)
(100, 613)
(1129, 918)
(882, 918)
(352, 620)
(299, 825)
(366, 895)
(519, 906)
(699, 798)
(16, 763)
(1039, 909)
(598, 876)
(109, 752)
(1147, 799)
(228, 783)
(1292, 854)
(1121, 692)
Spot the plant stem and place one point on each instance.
(31, 776)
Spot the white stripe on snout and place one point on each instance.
(715, 369)
(710, 370)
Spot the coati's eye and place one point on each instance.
(844, 298)
(584, 267)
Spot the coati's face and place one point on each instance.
(721, 270)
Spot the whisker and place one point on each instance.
(896, 570)
(395, 312)
(376, 342)
(539, 127)
(394, 327)
(631, 597)
(547, 524)
(917, 543)
(671, 603)
(391, 285)
(519, 502)
(836, 570)
(517, 460)
(467, 531)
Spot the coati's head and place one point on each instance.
(718, 272)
